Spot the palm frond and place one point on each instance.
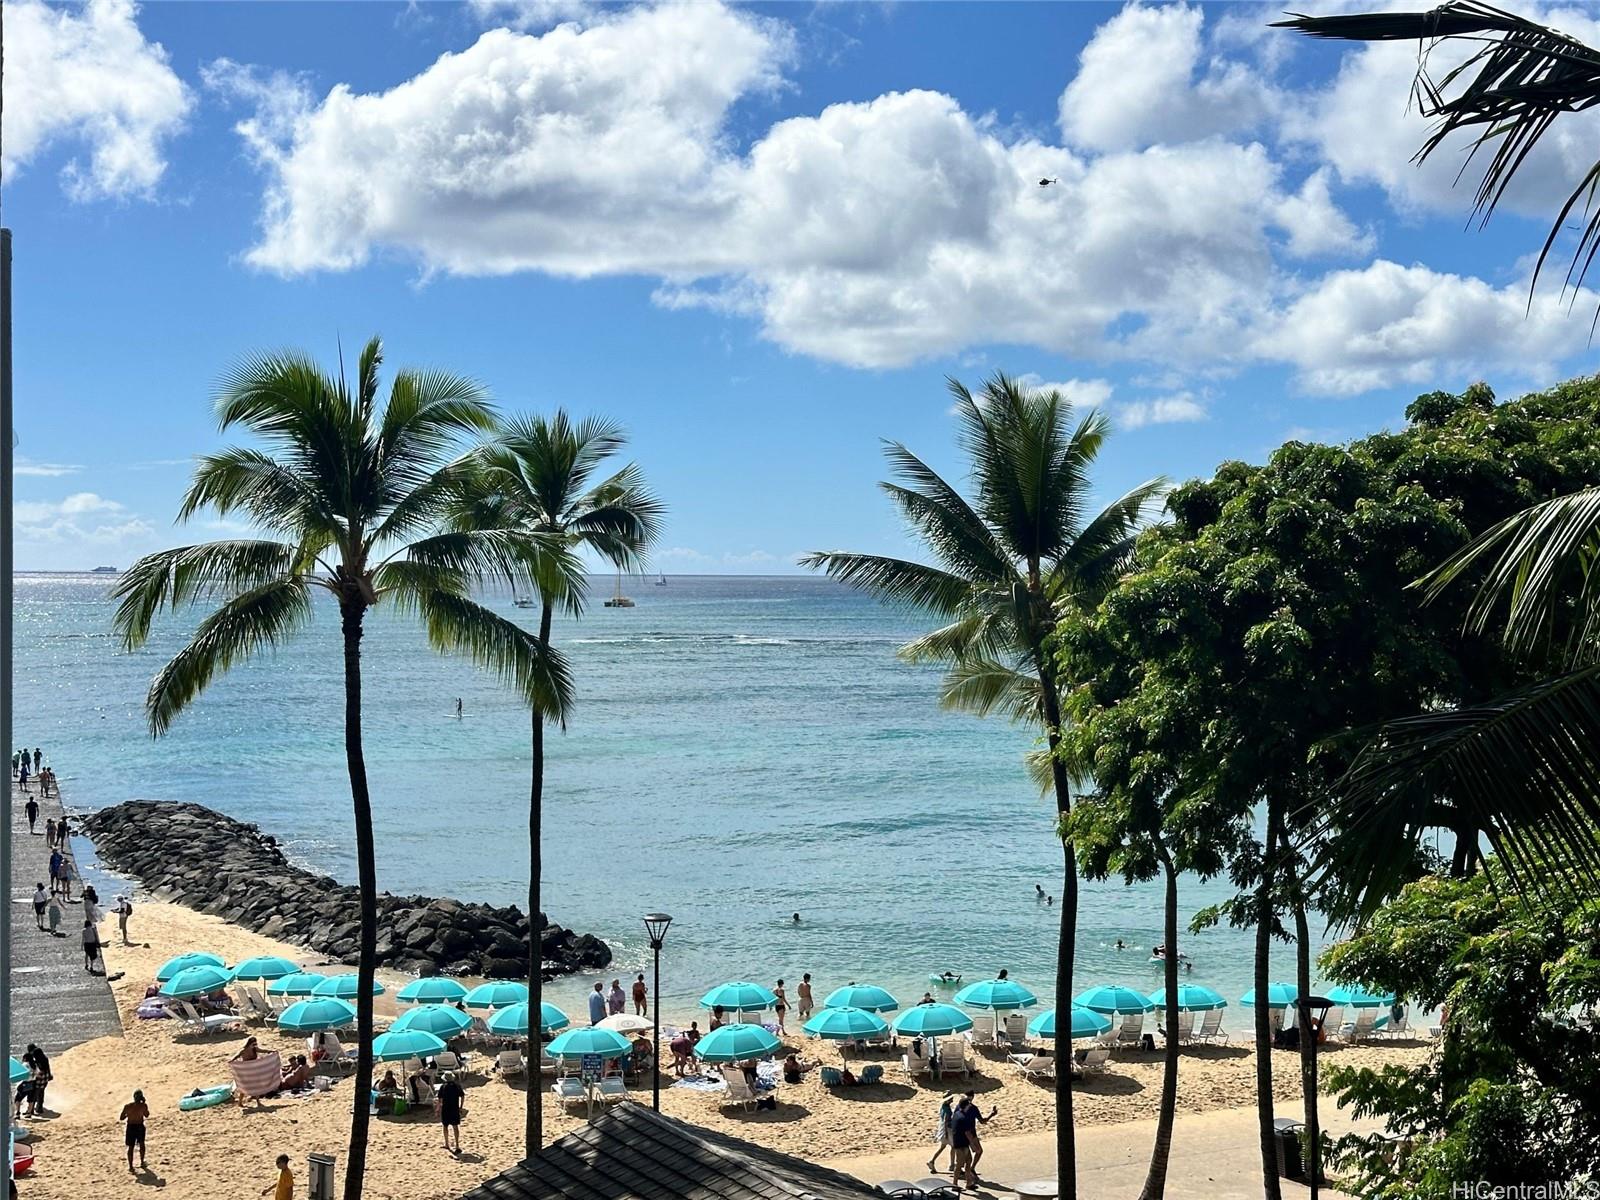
(1512, 88)
(983, 686)
(539, 560)
(426, 413)
(944, 520)
(1523, 769)
(170, 578)
(457, 625)
(984, 632)
(1541, 566)
(240, 479)
(1101, 550)
(244, 625)
(895, 580)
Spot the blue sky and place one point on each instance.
(760, 237)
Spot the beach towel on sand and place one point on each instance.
(259, 1076)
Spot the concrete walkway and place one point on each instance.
(1215, 1156)
(55, 1003)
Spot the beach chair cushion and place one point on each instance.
(872, 1073)
(612, 1088)
(832, 1077)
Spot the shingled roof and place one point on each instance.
(632, 1152)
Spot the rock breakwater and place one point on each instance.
(197, 857)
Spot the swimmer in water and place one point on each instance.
(797, 918)
(1120, 945)
(1038, 892)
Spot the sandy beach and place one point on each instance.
(229, 1150)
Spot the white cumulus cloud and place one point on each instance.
(87, 78)
(1160, 410)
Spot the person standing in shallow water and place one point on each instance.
(617, 1001)
(804, 991)
(782, 1006)
(641, 994)
(597, 1004)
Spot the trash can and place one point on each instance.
(319, 1177)
(1286, 1139)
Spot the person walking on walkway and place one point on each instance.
(50, 833)
(32, 809)
(53, 916)
(91, 946)
(41, 901)
(55, 871)
(941, 1130)
(134, 1114)
(38, 760)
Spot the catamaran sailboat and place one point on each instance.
(619, 600)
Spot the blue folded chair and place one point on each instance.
(832, 1077)
(872, 1073)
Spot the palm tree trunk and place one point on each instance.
(1308, 1042)
(355, 1170)
(1155, 1182)
(533, 1139)
(1066, 940)
(1263, 965)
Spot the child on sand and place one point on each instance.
(283, 1187)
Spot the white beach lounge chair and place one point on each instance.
(953, 1057)
(1211, 1027)
(1016, 1029)
(511, 1064)
(569, 1092)
(1094, 1059)
(916, 1064)
(259, 1009)
(738, 1090)
(449, 1060)
(208, 1024)
(613, 1089)
(1360, 1029)
(1185, 1025)
(1041, 1066)
(1131, 1031)
(548, 1065)
(1398, 1029)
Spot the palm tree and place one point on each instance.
(348, 497)
(535, 477)
(1009, 560)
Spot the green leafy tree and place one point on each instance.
(1269, 626)
(349, 495)
(1024, 548)
(1507, 1095)
(1523, 767)
(537, 476)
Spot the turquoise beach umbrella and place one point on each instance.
(844, 1024)
(438, 1019)
(1110, 998)
(19, 1072)
(999, 994)
(738, 997)
(932, 1020)
(497, 993)
(575, 1043)
(194, 958)
(264, 966)
(1192, 997)
(400, 1044)
(299, 984)
(513, 1022)
(196, 981)
(1279, 995)
(344, 987)
(864, 996)
(313, 1016)
(432, 989)
(1359, 997)
(735, 1043)
(1085, 1023)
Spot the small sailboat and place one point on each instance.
(619, 600)
(662, 582)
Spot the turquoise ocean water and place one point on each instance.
(743, 749)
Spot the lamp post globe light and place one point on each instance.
(655, 926)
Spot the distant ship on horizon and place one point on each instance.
(105, 571)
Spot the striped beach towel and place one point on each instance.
(259, 1076)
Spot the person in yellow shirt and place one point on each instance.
(285, 1185)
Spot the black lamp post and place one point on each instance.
(655, 924)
